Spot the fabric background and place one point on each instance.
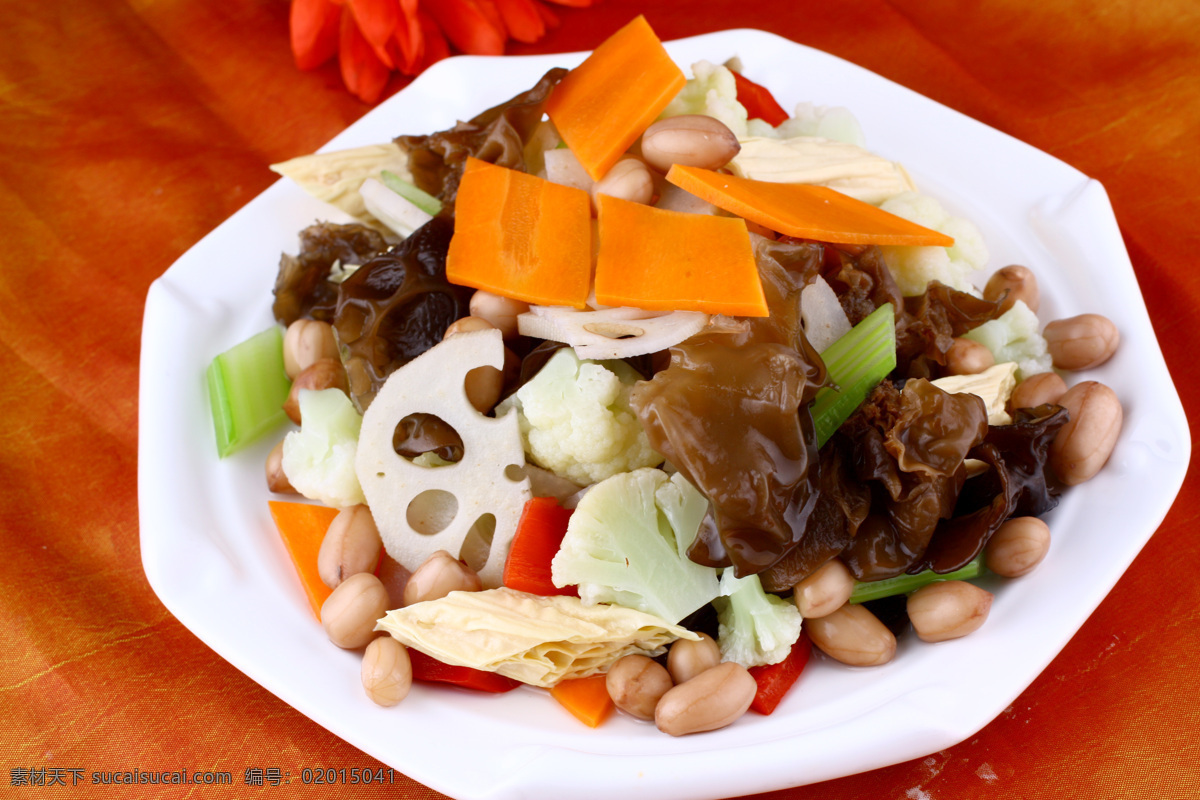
(129, 130)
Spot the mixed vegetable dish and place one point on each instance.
(637, 388)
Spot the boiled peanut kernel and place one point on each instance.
(351, 545)
(1081, 342)
(636, 683)
(1044, 387)
(502, 312)
(824, 591)
(629, 179)
(686, 659)
(966, 357)
(306, 342)
(327, 373)
(277, 480)
(1018, 546)
(948, 610)
(440, 575)
(386, 671)
(350, 612)
(692, 140)
(1019, 282)
(1084, 444)
(467, 324)
(852, 635)
(713, 699)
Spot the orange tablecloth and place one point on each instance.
(131, 129)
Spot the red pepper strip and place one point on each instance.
(522, 20)
(759, 102)
(314, 32)
(775, 679)
(362, 71)
(433, 40)
(467, 26)
(430, 670)
(539, 536)
(376, 20)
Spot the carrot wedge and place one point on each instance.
(302, 526)
(520, 236)
(586, 698)
(803, 210)
(602, 106)
(668, 260)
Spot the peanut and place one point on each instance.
(306, 342)
(713, 699)
(852, 635)
(351, 545)
(966, 357)
(687, 659)
(948, 610)
(636, 683)
(1081, 342)
(1084, 444)
(693, 140)
(1018, 546)
(386, 671)
(349, 613)
(440, 575)
(1044, 387)
(1018, 281)
(824, 591)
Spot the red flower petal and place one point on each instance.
(407, 44)
(467, 26)
(436, 46)
(575, 3)
(522, 19)
(362, 71)
(314, 32)
(376, 20)
(548, 16)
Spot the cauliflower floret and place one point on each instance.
(576, 420)
(754, 628)
(1014, 336)
(319, 458)
(712, 91)
(914, 267)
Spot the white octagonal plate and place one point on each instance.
(211, 552)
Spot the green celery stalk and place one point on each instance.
(856, 363)
(419, 198)
(247, 386)
(906, 584)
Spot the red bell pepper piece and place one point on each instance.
(775, 679)
(759, 102)
(430, 670)
(539, 536)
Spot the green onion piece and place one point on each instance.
(905, 584)
(856, 363)
(247, 386)
(421, 199)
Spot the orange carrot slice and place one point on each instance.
(586, 698)
(602, 106)
(803, 210)
(520, 236)
(302, 526)
(656, 259)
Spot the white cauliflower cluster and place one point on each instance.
(914, 267)
(576, 420)
(319, 458)
(1014, 336)
(713, 91)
